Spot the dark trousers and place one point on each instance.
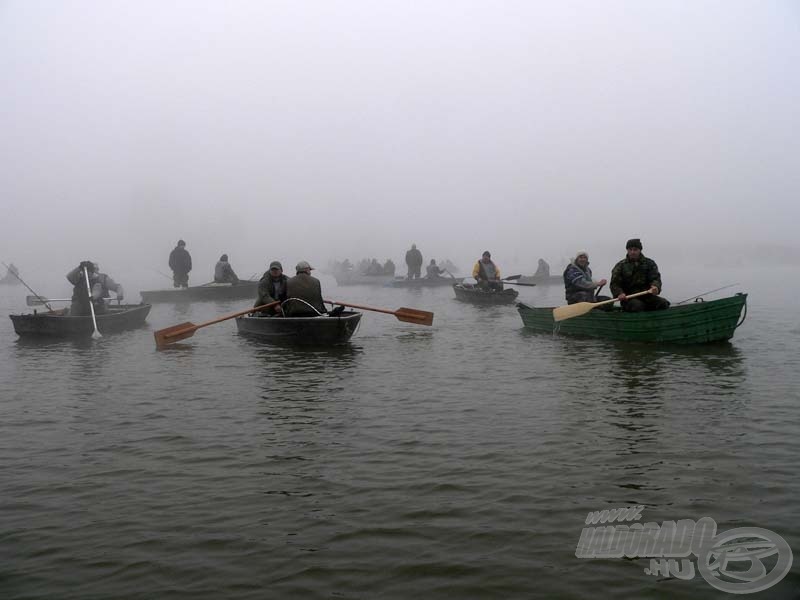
(643, 303)
(414, 272)
(180, 279)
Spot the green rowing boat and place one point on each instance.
(696, 323)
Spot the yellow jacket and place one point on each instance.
(478, 274)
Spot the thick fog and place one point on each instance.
(324, 130)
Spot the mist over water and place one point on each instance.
(299, 131)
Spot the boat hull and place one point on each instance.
(308, 331)
(423, 282)
(697, 323)
(356, 279)
(57, 324)
(203, 293)
(475, 295)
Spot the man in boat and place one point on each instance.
(374, 267)
(272, 287)
(542, 270)
(486, 273)
(433, 271)
(637, 273)
(180, 261)
(414, 262)
(223, 271)
(100, 284)
(303, 293)
(388, 267)
(578, 282)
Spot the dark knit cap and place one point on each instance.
(634, 243)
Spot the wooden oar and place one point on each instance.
(39, 300)
(96, 333)
(170, 335)
(581, 308)
(409, 315)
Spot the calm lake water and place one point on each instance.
(457, 461)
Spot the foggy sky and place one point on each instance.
(316, 130)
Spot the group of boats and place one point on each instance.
(698, 322)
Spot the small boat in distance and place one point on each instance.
(203, 293)
(60, 324)
(696, 323)
(324, 330)
(402, 282)
(542, 280)
(467, 292)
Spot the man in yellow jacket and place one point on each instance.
(486, 273)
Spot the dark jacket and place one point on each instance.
(266, 290)
(101, 285)
(629, 277)
(577, 282)
(414, 258)
(180, 260)
(307, 288)
(224, 273)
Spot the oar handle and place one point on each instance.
(627, 297)
(381, 310)
(238, 314)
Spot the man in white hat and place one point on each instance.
(304, 293)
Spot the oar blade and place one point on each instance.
(170, 335)
(413, 315)
(511, 277)
(572, 310)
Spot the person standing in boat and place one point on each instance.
(303, 293)
(578, 282)
(388, 267)
(272, 287)
(100, 284)
(542, 270)
(223, 271)
(433, 271)
(637, 273)
(414, 262)
(486, 273)
(180, 261)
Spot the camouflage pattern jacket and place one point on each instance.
(630, 277)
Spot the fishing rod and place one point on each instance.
(25, 284)
(710, 292)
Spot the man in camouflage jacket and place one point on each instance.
(637, 273)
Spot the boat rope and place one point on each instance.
(744, 315)
(704, 293)
(304, 302)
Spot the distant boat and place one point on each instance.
(352, 278)
(467, 292)
(204, 293)
(60, 324)
(542, 280)
(696, 323)
(421, 282)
